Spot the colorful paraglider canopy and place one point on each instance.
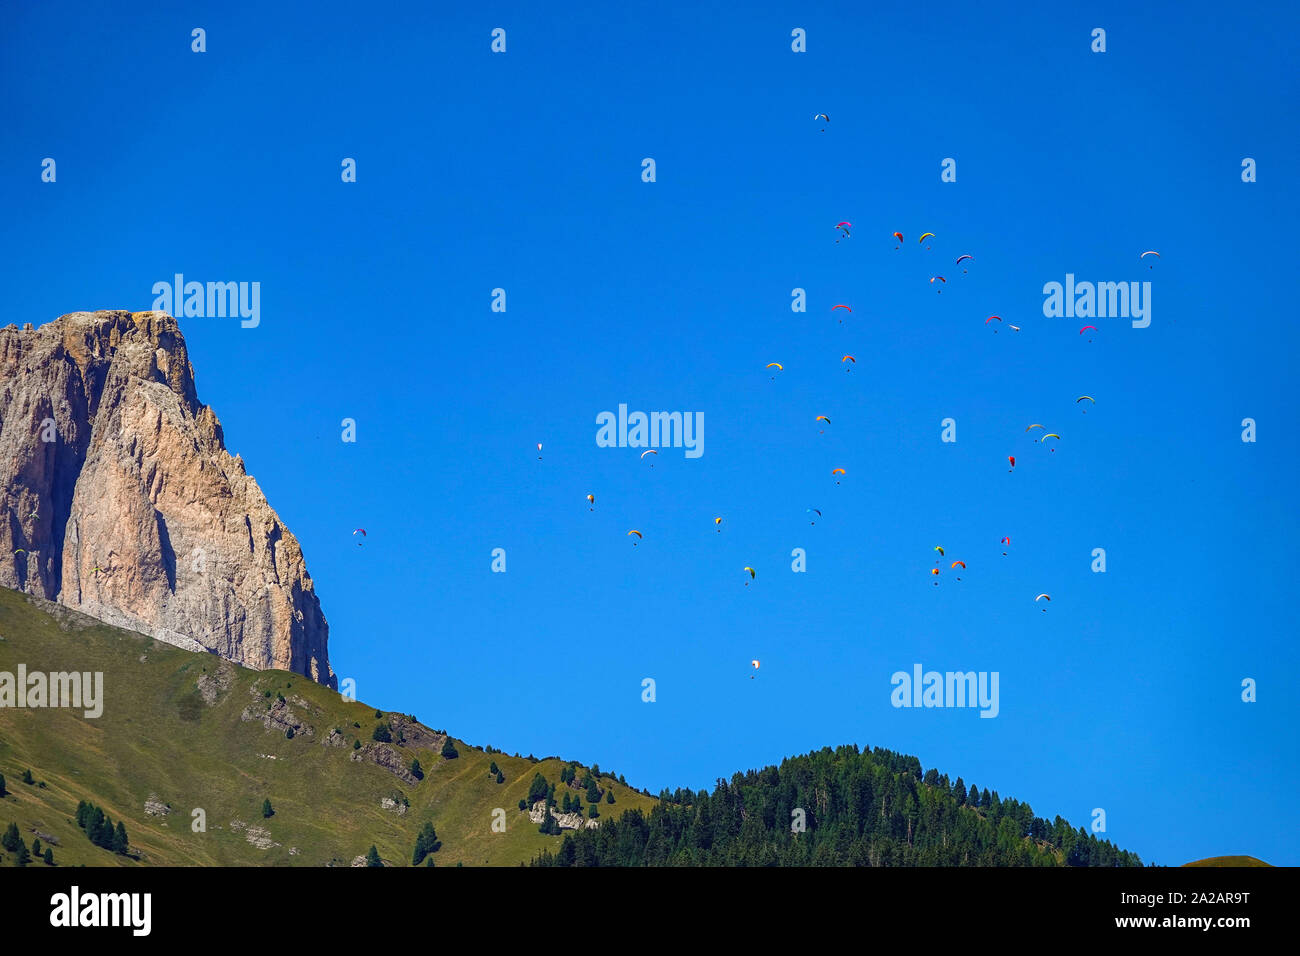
(842, 225)
(813, 511)
(755, 665)
(1149, 252)
(924, 236)
(717, 520)
(823, 418)
(991, 318)
(849, 358)
(955, 563)
(649, 451)
(1050, 435)
(934, 570)
(960, 258)
(1042, 596)
(775, 365)
(1012, 459)
(635, 532)
(940, 278)
(360, 531)
(591, 499)
(821, 116)
(751, 571)
(1034, 426)
(1006, 540)
(840, 306)
(1086, 328)
(939, 549)
(898, 236)
(838, 471)
(1085, 397)
(1015, 328)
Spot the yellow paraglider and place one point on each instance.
(751, 575)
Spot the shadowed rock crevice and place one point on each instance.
(108, 461)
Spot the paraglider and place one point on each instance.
(963, 566)
(718, 522)
(935, 572)
(1006, 541)
(1041, 597)
(359, 531)
(990, 319)
(941, 279)
(591, 500)
(960, 258)
(539, 451)
(649, 451)
(813, 511)
(1034, 426)
(1015, 328)
(1150, 252)
(848, 358)
(756, 666)
(924, 236)
(823, 418)
(634, 532)
(844, 228)
(776, 365)
(899, 237)
(751, 575)
(1086, 328)
(845, 307)
(1052, 435)
(838, 471)
(1012, 459)
(1085, 398)
(822, 116)
(940, 550)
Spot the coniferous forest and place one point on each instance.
(841, 807)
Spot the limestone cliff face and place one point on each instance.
(118, 497)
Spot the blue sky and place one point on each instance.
(523, 171)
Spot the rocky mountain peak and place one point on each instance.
(120, 499)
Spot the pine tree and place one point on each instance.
(501, 778)
(3, 791)
(267, 810)
(11, 839)
(593, 791)
(27, 777)
(120, 842)
(494, 768)
(426, 842)
(449, 749)
(36, 847)
(382, 734)
(49, 857)
(372, 857)
(538, 789)
(609, 795)
(24, 856)
(959, 791)
(416, 771)
(973, 798)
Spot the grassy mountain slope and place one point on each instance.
(1228, 861)
(161, 738)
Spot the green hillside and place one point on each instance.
(174, 733)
